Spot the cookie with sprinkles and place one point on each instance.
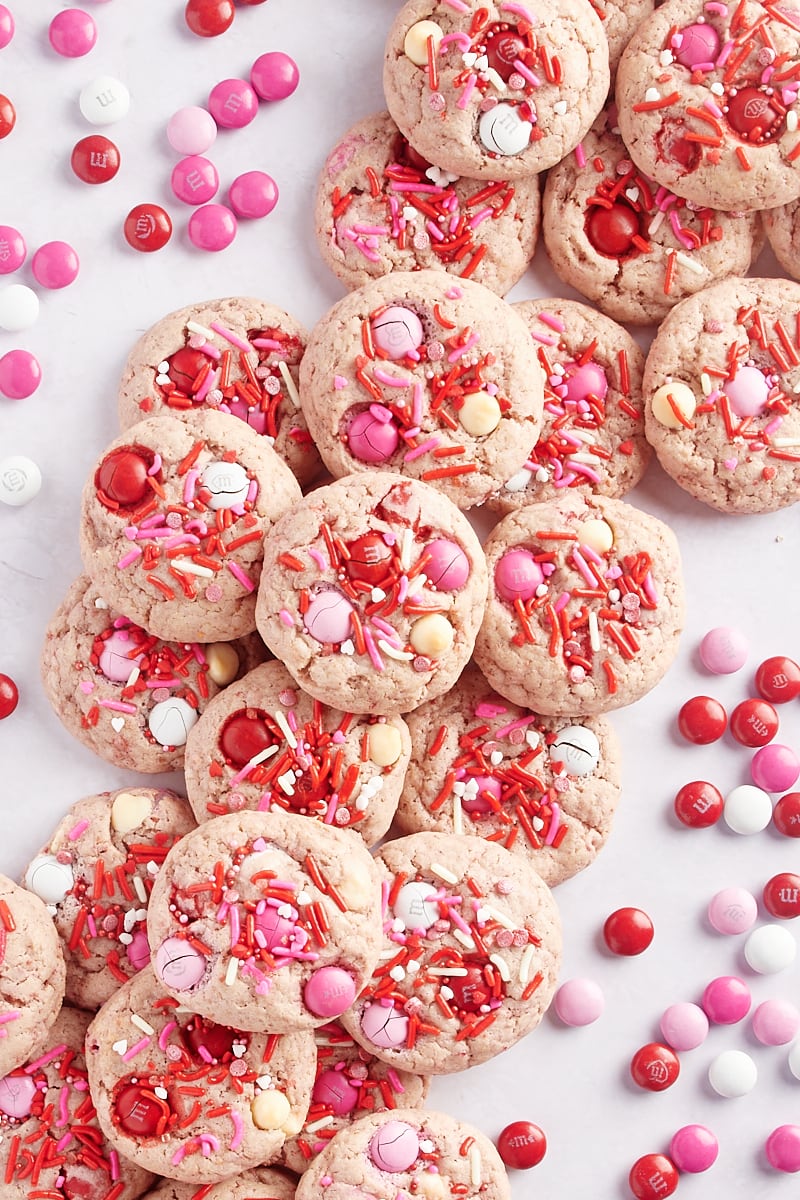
(188, 1098)
(708, 102)
(585, 608)
(782, 227)
(720, 388)
(173, 519)
(350, 1083)
(631, 245)
(95, 874)
(261, 1183)
(592, 435)
(407, 1153)
(128, 696)
(31, 976)
(620, 18)
(51, 1143)
(546, 788)
(430, 378)
(268, 919)
(236, 355)
(373, 592)
(470, 957)
(498, 90)
(265, 744)
(382, 207)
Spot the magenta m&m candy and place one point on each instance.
(6, 26)
(95, 159)
(775, 768)
(726, 1000)
(786, 815)
(232, 103)
(724, 650)
(521, 1145)
(209, 18)
(579, 1002)
(733, 910)
(652, 1177)
(12, 249)
(754, 722)
(371, 436)
(702, 720)
(695, 44)
(329, 992)
(55, 265)
(253, 194)
(776, 1022)
(191, 130)
(335, 1090)
(684, 1026)
(194, 179)
(448, 566)
(212, 227)
(781, 895)
(783, 1148)
(518, 575)
(20, 374)
(698, 804)
(694, 1148)
(147, 227)
(178, 964)
(274, 76)
(628, 931)
(72, 33)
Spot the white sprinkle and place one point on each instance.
(120, 1047)
(397, 973)
(502, 967)
(692, 263)
(161, 1092)
(452, 971)
(458, 816)
(594, 631)
(518, 482)
(717, 89)
(264, 1082)
(613, 595)
(377, 594)
(786, 441)
(412, 966)
(500, 917)
(652, 94)
(285, 728)
(134, 675)
(537, 823)
(475, 1166)
(464, 938)
(405, 551)
(320, 1124)
(100, 603)
(791, 120)
(656, 221)
(192, 568)
(392, 652)
(665, 58)
(705, 383)
(496, 757)
(532, 738)
(290, 384)
(287, 782)
(230, 974)
(442, 873)
(469, 59)
(302, 898)
(239, 1049)
(498, 81)
(163, 367)
(152, 868)
(196, 327)
(163, 380)
(139, 888)
(347, 647)
(361, 802)
(447, 993)
(525, 964)
(560, 107)
(263, 755)
(416, 584)
(125, 939)
(140, 1023)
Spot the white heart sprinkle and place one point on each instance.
(161, 1092)
(120, 1047)
(117, 724)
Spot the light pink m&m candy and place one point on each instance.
(232, 103)
(694, 1148)
(397, 331)
(253, 194)
(684, 1026)
(394, 1147)
(748, 392)
(191, 130)
(72, 33)
(724, 650)
(448, 568)
(783, 1148)
(329, 992)
(384, 1025)
(178, 964)
(776, 1022)
(212, 227)
(116, 661)
(579, 1001)
(327, 618)
(370, 439)
(12, 249)
(194, 179)
(16, 1095)
(726, 1000)
(274, 76)
(775, 767)
(55, 265)
(20, 374)
(518, 575)
(733, 910)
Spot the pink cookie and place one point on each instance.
(31, 976)
(260, 1183)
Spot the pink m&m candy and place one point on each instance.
(72, 33)
(55, 265)
(138, 951)
(776, 1022)
(775, 767)
(726, 1000)
(694, 1148)
(232, 103)
(16, 1095)
(274, 76)
(448, 568)
(6, 26)
(384, 1025)
(584, 381)
(328, 618)
(329, 992)
(253, 194)
(397, 331)
(191, 130)
(12, 249)
(178, 964)
(684, 1026)
(579, 1001)
(212, 227)
(194, 179)
(335, 1090)
(695, 44)
(748, 392)
(116, 661)
(371, 439)
(724, 650)
(518, 575)
(20, 374)
(394, 1147)
(733, 910)
(783, 1148)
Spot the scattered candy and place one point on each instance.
(8, 116)
(95, 159)
(769, 949)
(775, 768)
(20, 374)
(274, 76)
(754, 722)
(19, 307)
(781, 895)
(732, 1073)
(579, 1001)
(724, 650)
(233, 103)
(726, 1000)
(628, 931)
(794, 1060)
(6, 26)
(104, 101)
(776, 1022)
(694, 1148)
(702, 720)
(55, 265)
(655, 1067)
(191, 130)
(786, 815)
(253, 194)
(194, 179)
(147, 227)
(521, 1145)
(733, 910)
(652, 1177)
(9, 696)
(684, 1026)
(209, 18)
(778, 679)
(72, 33)
(698, 804)
(20, 480)
(212, 227)
(783, 1148)
(12, 249)
(747, 809)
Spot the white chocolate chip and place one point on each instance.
(415, 45)
(682, 398)
(129, 810)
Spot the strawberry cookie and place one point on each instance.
(262, 1183)
(585, 606)
(31, 975)
(266, 920)
(499, 90)
(190, 1099)
(265, 744)
(373, 592)
(427, 377)
(174, 516)
(128, 696)
(237, 355)
(96, 873)
(382, 207)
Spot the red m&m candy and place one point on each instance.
(699, 804)
(9, 696)
(786, 815)
(209, 18)
(8, 116)
(778, 679)
(244, 735)
(95, 159)
(754, 722)
(628, 931)
(612, 230)
(122, 477)
(521, 1145)
(147, 227)
(702, 720)
(652, 1177)
(781, 895)
(655, 1067)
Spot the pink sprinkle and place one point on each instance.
(649, 588)
(137, 1048)
(487, 709)
(372, 650)
(92, 926)
(545, 338)
(238, 1125)
(390, 380)
(231, 337)
(156, 467)
(714, 7)
(416, 404)
(233, 917)
(333, 804)
(9, 1016)
(521, 11)
(431, 444)
(480, 217)
(724, 54)
(129, 558)
(114, 1159)
(318, 557)
(555, 813)
(584, 469)
(46, 1058)
(526, 73)
(77, 830)
(286, 618)
(240, 576)
(469, 88)
(339, 382)
(63, 1107)
(209, 350)
(562, 601)
(63, 1142)
(381, 413)
(179, 1155)
(461, 38)
(461, 350)
(163, 1037)
(580, 155)
(394, 1080)
(117, 706)
(520, 723)
(552, 321)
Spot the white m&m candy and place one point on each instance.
(227, 482)
(769, 949)
(20, 480)
(503, 131)
(104, 100)
(578, 749)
